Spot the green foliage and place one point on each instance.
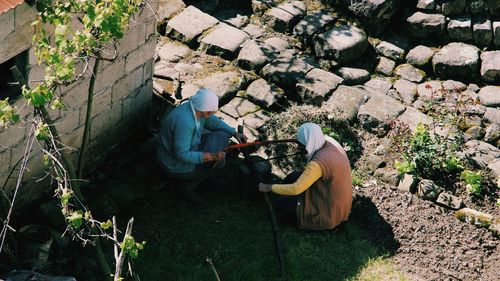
(430, 155)
(473, 180)
(357, 178)
(75, 219)
(130, 247)
(42, 132)
(8, 114)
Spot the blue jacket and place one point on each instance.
(177, 151)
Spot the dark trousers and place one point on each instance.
(210, 142)
(286, 205)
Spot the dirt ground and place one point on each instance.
(431, 243)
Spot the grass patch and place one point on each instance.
(233, 230)
(380, 268)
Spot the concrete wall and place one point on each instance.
(121, 101)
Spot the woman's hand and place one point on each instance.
(214, 156)
(241, 138)
(265, 187)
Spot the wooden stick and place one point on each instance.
(272, 216)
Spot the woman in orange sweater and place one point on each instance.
(321, 197)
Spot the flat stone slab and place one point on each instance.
(233, 18)
(420, 56)
(345, 102)
(410, 73)
(239, 107)
(490, 96)
(431, 90)
(311, 24)
(353, 76)
(267, 95)
(407, 90)
(253, 30)
(225, 84)
(317, 85)
(286, 71)
(474, 217)
(393, 48)
(387, 175)
(252, 55)
(223, 41)
(378, 112)
(449, 201)
(412, 117)
(276, 45)
(189, 24)
(173, 51)
(426, 5)
(490, 67)
(379, 85)
(283, 17)
(457, 60)
(481, 152)
(342, 44)
(454, 86)
(422, 25)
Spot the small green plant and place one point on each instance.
(357, 178)
(473, 181)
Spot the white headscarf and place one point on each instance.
(205, 100)
(311, 136)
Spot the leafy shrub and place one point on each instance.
(473, 181)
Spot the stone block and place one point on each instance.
(345, 102)
(223, 40)
(76, 95)
(167, 9)
(12, 135)
(490, 96)
(387, 175)
(173, 51)
(267, 95)
(24, 14)
(453, 7)
(377, 113)
(286, 71)
(482, 31)
(189, 24)
(394, 48)
(108, 75)
(127, 85)
(492, 115)
(107, 119)
(496, 33)
(412, 116)
(490, 67)
(7, 23)
(474, 217)
(71, 120)
(311, 24)
(377, 85)
(353, 76)
(449, 201)
(342, 44)
(147, 73)
(426, 4)
(224, 84)
(373, 162)
(457, 60)
(283, 17)
(408, 183)
(16, 42)
(133, 38)
(460, 29)
(422, 25)
(73, 139)
(407, 90)
(102, 100)
(410, 73)
(239, 107)
(420, 56)
(4, 159)
(253, 55)
(428, 190)
(140, 55)
(317, 85)
(385, 66)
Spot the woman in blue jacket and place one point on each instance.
(190, 136)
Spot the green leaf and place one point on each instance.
(75, 219)
(106, 225)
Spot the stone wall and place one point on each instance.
(121, 101)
